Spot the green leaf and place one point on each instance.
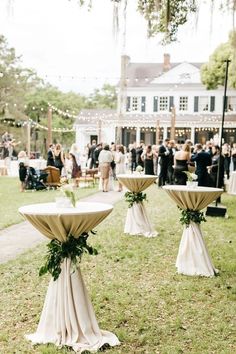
(133, 197)
(73, 248)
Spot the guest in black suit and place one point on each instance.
(91, 157)
(202, 159)
(132, 152)
(216, 162)
(170, 170)
(164, 162)
(50, 156)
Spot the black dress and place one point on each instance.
(148, 165)
(179, 176)
(58, 161)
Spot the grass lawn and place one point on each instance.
(11, 199)
(134, 288)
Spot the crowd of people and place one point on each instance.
(169, 161)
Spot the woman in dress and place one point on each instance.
(181, 161)
(120, 163)
(105, 158)
(76, 170)
(23, 162)
(148, 158)
(58, 157)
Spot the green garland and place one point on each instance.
(73, 248)
(133, 197)
(188, 215)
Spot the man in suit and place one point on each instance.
(170, 170)
(202, 159)
(164, 162)
(91, 158)
(50, 156)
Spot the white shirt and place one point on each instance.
(105, 156)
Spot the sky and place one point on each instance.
(75, 50)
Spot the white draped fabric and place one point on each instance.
(232, 183)
(193, 257)
(137, 221)
(68, 317)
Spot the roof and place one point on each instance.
(142, 74)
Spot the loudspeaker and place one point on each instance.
(213, 210)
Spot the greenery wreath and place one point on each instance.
(133, 197)
(188, 215)
(73, 248)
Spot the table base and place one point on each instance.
(137, 222)
(193, 257)
(68, 317)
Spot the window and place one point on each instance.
(203, 104)
(135, 104)
(183, 103)
(231, 103)
(163, 103)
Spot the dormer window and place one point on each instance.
(184, 76)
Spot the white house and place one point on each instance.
(160, 96)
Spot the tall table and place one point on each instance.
(193, 257)
(68, 317)
(137, 221)
(232, 183)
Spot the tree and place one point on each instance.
(166, 16)
(162, 16)
(106, 97)
(15, 81)
(213, 72)
(67, 106)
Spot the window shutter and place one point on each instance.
(196, 99)
(128, 104)
(171, 103)
(212, 104)
(155, 104)
(226, 103)
(143, 104)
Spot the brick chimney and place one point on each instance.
(166, 63)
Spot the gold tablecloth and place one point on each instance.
(136, 182)
(68, 317)
(193, 257)
(196, 198)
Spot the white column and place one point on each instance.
(81, 140)
(164, 133)
(192, 135)
(138, 135)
